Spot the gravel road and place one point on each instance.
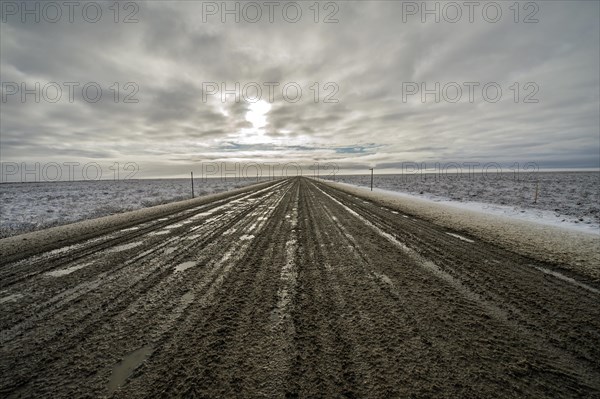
(294, 290)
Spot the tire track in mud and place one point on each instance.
(407, 360)
(229, 332)
(328, 319)
(111, 300)
(109, 274)
(294, 290)
(548, 308)
(567, 371)
(49, 291)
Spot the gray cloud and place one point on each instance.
(369, 54)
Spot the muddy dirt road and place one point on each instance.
(294, 290)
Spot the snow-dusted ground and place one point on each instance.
(566, 199)
(33, 206)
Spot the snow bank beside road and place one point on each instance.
(526, 214)
(565, 198)
(573, 250)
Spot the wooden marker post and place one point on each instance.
(192, 175)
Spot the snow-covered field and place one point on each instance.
(567, 199)
(33, 206)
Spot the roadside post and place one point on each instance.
(192, 176)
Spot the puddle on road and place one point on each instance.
(129, 229)
(210, 212)
(247, 237)
(68, 270)
(384, 278)
(567, 279)
(61, 250)
(159, 233)
(184, 266)
(174, 226)
(123, 369)
(459, 237)
(169, 251)
(11, 298)
(125, 247)
(187, 298)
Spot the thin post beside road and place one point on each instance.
(192, 176)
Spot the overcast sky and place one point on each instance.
(370, 61)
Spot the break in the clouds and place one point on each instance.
(361, 79)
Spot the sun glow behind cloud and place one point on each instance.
(257, 116)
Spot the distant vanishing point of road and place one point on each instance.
(293, 290)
